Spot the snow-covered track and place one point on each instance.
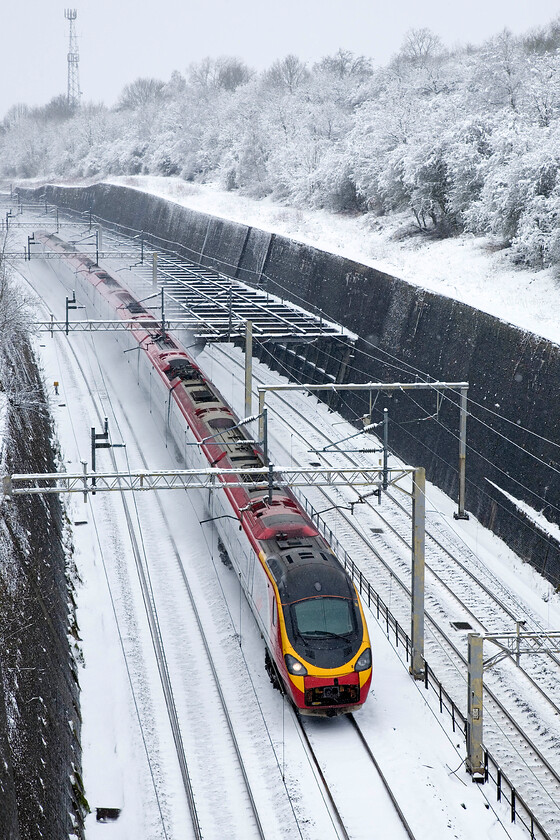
(218, 693)
(344, 740)
(223, 727)
(354, 540)
(521, 705)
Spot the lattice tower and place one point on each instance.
(74, 91)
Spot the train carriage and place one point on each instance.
(307, 608)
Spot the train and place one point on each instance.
(308, 611)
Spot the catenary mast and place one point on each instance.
(74, 91)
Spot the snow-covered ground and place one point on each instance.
(473, 270)
(413, 745)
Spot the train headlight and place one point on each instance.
(363, 662)
(294, 666)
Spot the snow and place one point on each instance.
(538, 518)
(413, 744)
(474, 270)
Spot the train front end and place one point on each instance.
(326, 651)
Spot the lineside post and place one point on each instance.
(461, 513)
(154, 271)
(385, 447)
(248, 368)
(264, 436)
(475, 757)
(98, 242)
(417, 663)
(71, 303)
(262, 398)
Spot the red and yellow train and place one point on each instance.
(306, 606)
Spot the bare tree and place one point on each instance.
(421, 45)
(344, 63)
(288, 73)
(225, 72)
(231, 73)
(505, 66)
(202, 74)
(139, 93)
(543, 40)
(56, 110)
(15, 114)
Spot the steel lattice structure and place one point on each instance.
(74, 91)
(203, 479)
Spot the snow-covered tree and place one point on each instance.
(140, 93)
(464, 139)
(288, 73)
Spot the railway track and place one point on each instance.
(355, 536)
(100, 393)
(345, 740)
(522, 704)
(218, 729)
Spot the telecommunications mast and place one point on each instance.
(74, 91)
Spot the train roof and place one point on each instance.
(306, 572)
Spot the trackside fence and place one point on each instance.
(519, 812)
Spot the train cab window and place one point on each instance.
(274, 611)
(275, 568)
(323, 617)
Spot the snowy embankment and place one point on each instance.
(474, 270)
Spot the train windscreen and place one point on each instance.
(324, 618)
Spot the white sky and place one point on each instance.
(121, 40)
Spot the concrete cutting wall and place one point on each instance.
(404, 330)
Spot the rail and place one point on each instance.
(519, 811)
